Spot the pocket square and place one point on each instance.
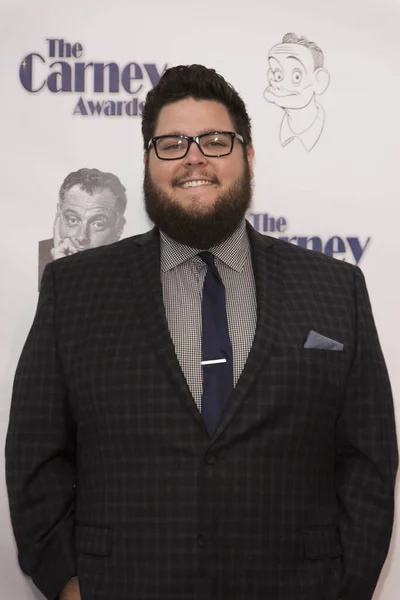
(320, 342)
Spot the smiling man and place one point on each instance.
(296, 76)
(190, 419)
(90, 213)
(194, 198)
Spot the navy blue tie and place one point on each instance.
(217, 363)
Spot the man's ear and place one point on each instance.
(119, 227)
(145, 158)
(250, 158)
(322, 78)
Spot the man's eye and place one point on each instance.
(216, 144)
(278, 76)
(98, 225)
(170, 146)
(72, 221)
(297, 76)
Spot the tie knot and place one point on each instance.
(208, 258)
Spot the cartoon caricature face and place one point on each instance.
(293, 78)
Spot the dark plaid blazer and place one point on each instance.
(111, 474)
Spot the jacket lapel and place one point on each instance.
(268, 279)
(144, 267)
(146, 279)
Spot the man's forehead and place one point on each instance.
(78, 198)
(192, 117)
(285, 50)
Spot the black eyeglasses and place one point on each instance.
(213, 144)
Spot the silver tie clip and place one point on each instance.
(213, 362)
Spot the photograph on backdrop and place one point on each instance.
(90, 213)
(296, 75)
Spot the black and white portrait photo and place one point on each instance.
(90, 213)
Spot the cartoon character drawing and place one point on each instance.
(296, 77)
(90, 213)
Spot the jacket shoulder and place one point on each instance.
(311, 258)
(298, 256)
(103, 255)
(301, 268)
(98, 267)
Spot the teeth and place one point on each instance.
(195, 183)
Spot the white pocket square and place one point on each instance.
(320, 342)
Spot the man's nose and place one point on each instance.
(195, 156)
(82, 233)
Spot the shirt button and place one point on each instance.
(210, 458)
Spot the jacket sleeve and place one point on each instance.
(40, 455)
(366, 458)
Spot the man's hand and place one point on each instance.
(62, 247)
(71, 590)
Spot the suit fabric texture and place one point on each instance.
(113, 477)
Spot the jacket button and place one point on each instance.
(210, 458)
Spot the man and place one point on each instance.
(90, 213)
(201, 412)
(296, 76)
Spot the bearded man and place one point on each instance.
(201, 412)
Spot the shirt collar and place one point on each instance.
(233, 251)
(310, 136)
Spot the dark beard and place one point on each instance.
(196, 228)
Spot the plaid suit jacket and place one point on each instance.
(111, 474)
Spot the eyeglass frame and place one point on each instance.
(196, 140)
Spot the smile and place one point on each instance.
(188, 184)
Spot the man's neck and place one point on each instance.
(302, 119)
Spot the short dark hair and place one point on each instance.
(93, 180)
(200, 83)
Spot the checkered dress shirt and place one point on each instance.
(182, 277)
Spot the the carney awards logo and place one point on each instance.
(348, 248)
(63, 70)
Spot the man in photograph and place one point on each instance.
(90, 213)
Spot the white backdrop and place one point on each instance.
(346, 186)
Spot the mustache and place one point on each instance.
(190, 174)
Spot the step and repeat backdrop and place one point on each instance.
(326, 127)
